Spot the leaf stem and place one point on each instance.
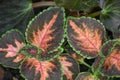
(83, 62)
(97, 13)
(43, 3)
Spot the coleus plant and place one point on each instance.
(39, 54)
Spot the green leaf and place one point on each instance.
(10, 45)
(70, 67)
(84, 5)
(33, 69)
(15, 14)
(85, 35)
(111, 14)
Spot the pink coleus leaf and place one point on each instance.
(70, 67)
(46, 30)
(111, 66)
(34, 69)
(10, 45)
(85, 35)
(109, 59)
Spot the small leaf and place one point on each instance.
(70, 67)
(85, 35)
(33, 69)
(110, 14)
(10, 45)
(46, 30)
(15, 14)
(86, 76)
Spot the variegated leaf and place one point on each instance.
(33, 69)
(46, 30)
(86, 35)
(86, 76)
(70, 67)
(111, 62)
(10, 45)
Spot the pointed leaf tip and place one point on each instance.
(85, 35)
(46, 30)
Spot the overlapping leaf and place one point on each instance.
(86, 76)
(85, 35)
(15, 14)
(10, 45)
(32, 69)
(70, 67)
(111, 14)
(109, 60)
(46, 30)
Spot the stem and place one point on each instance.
(43, 3)
(83, 62)
(97, 13)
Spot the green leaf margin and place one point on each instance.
(79, 52)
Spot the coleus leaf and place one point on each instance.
(110, 14)
(70, 67)
(86, 76)
(109, 59)
(85, 35)
(46, 30)
(10, 45)
(15, 14)
(33, 69)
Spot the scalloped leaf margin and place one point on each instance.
(46, 30)
(109, 59)
(10, 45)
(85, 35)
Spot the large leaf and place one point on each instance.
(15, 14)
(70, 67)
(111, 14)
(109, 60)
(10, 45)
(86, 76)
(33, 69)
(46, 29)
(86, 35)
(84, 5)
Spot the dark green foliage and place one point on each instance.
(15, 14)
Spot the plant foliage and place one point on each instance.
(57, 46)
